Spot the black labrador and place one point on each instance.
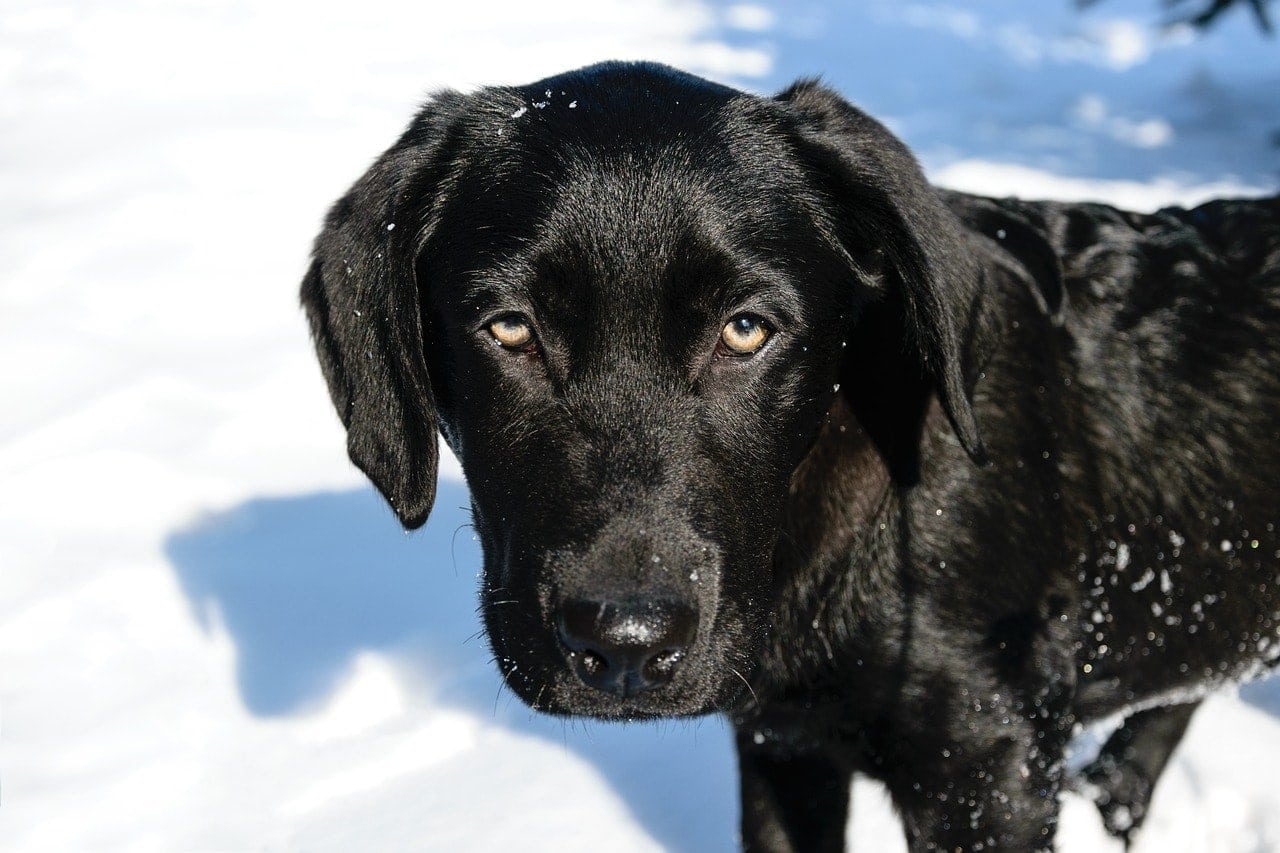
(756, 421)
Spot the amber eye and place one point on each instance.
(512, 331)
(744, 335)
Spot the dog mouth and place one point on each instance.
(562, 696)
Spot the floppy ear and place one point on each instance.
(1020, 231)
(882, 207)
(361, 298)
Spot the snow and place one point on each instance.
(213, 634)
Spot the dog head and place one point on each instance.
(626, 297)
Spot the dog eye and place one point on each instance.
(743, 335)
(512, 331)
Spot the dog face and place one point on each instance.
(633, 375)
(625, 297)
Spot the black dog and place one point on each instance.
(756, 421)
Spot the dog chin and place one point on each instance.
(562, 696)
(629, 711)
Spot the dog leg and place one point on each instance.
(1124, 775)
(791, 803)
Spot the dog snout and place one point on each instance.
(627, 647)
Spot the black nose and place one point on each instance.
(626, 648)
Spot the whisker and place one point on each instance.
(747, 683)
(453, 541)
(501, 684)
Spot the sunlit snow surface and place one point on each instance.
(212, 635)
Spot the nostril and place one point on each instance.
(662, 666)
(626, 647)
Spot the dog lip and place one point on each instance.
(636, 708)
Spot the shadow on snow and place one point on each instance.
(305, 584)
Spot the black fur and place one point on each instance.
(1004, 467)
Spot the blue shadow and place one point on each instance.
(305, 584)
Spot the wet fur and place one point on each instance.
(1010, 466)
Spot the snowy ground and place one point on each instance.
(212, 635)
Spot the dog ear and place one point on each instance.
(361, 298)
(1020, 231)
(885, 215)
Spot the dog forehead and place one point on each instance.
(646, 167)
(617, 136)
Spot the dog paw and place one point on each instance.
(1121, 792)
